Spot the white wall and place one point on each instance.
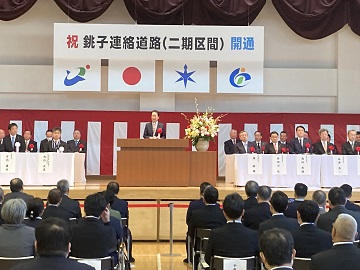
(300, 75)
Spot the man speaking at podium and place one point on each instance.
(154, 129)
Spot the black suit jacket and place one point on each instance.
(53, 263)
(318, 148)
(250, 202)
(121, 206)
(291, 209)
(73, 148)
(72, 207)
(8, 145)
(232, 240)
(309, 240)
(295, 146)
(262, 145)
(345, 256)
(347, 149)
(54, 211)
(229, 147)
(92, 238)
(352, 206)
(269, 148)
(18, 195)
(48, 147)
(2, 146)
(148, 131)
(194, 205)
(257, 214)
(278, 221)
(240, 149)
(44, 145)
(35, 149)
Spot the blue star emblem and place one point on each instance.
(185, 76)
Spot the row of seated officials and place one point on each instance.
(96, 235)
(325, 237)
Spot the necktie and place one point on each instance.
(234, 142)
(300, 142)
(13, 141)
(259, 145)
(324, 145)
(54, 145)
(76, 143)
(154, 128)
(276, 148)
(353, 145)
(27, 144)
(245, 146)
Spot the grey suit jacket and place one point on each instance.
(148, 131)
(17, 240)
(240, 149)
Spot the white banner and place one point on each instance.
(340, 165)
(45, 163)
(303, 165)
(8, 161)
(254, 164)
(158, 42)
(278, 164)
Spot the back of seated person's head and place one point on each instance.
(54, 196)
(308, 211)
(276, 248)
(344, 229)
(264, 193)
(233, 206)
(53, 237)
(1, 195)
(64, 186)
(108, 195)
(114, 187)
(13, 211)
(279, 201)
(300, 190)
(319, 197)
(251, 188)
(336, 197)
(94, 205)
(35, 208)
(347, 189)
(16, 185)
(211, 195)
(203, 185)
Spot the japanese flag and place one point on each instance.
(186, 76)
(76, 74)
(131, 76)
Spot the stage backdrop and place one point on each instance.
(101, 129)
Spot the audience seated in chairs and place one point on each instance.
(67, 204)
(35, 210)
(1, 203)
(309, 239)
(343, 254)
(233, 239)
(251, 188)
(348, 193)
(52, 209)
(93, 236)
(53, 237)
(277, 249)
(16, 239)
(319, 197)
(278, 204)
(17, 191)
(300, 192)
(261, 212)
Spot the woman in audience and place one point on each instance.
(35, 209)
(17, 239)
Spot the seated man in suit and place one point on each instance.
(259, 143)
(309, 239)
(251, 188)
(93, 236)
(349, 147)
(233, 239)
(335, 151)
(298, 144)
(56, 144)
(44, 143)
(17, 191)
(53, 209)
(67, 204)
(300, 192)
(283, 139)
(2, 136)
(278, 204)
(154, 129)
(319, 197)
(343, 254)
(13, 138)
(53, 247)
(229, 145)
(277, 249)
(30, 145)
(275, 146)
(348, 193)
(261, 212)
(337, 201)
(76, 145)
(244, 146)
(323, 146)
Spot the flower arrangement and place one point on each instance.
(202, 125)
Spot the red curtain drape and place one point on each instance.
(12, 9)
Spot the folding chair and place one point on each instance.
(105, 263)
(301, 263)
(356, 243)
(217, 263)
(73, 221)
(200, 239)
(8, 263)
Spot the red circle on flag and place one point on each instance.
(131, 76)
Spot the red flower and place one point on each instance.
(331, 147)
(188, 126)
(307, 145)
(159, 130)
(252, 149)
(31, 146)
(263, 148)
(81, 145)
(357, 148)
(283, 150)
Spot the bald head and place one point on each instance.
(344, 228)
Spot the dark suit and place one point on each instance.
(240, 149)
(345, 256)
(32, 223)
(278, 221)
(270, 149)
(310, 240)
(1, 219)
(258, 149)
(232, 240)
(71, 206)
(347, 149)
(44, 145)
(292, 208)
(296, 148)
(254, 216)
(250, 202)
(72, 147)
(352, 206)
(18, 195)
(34, 149)
(48, 147)
(148, 131)
(194, 205)
(2, 145)
(229, 146)
(54, 211)
(8, 145)
(121, 206)
(318, 148)
(53, 263)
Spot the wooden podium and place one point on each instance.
(146, 162)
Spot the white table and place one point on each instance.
(70, 166)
